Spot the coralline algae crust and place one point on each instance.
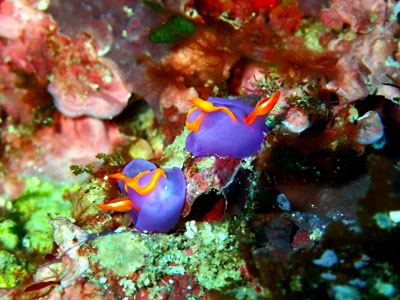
(120, 253)
(140, 261)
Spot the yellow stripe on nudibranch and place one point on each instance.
(134, 182)
(263, 107)
(204, 106)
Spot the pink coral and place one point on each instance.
(26, 39)
(255, 73)
(331, 19)
(350, 84)
(368, 55)
(296, 121)
(73, 141)
(15, 16)
(120, 33)
(366, 64)
(174, 96)
(12, 98)
(53, 149)
(84, 84)
(369, 128)
(206, 173)
(356, 13)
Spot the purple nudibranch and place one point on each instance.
(227, 127)
(156, 196)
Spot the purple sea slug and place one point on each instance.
(227, 127)
(155, 196)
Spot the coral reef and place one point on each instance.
(117, 181)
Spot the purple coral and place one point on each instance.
(159, 209)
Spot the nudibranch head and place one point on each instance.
(227, 127)
(155, 196)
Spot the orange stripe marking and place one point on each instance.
(204, 106)
(263, 107)
(120, 204)
(134, 182)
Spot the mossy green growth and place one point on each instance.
(176, 154)
(120, 253)
(8, 234)
(211, 251)
(41, 201)
(311, 34)
(77, 170)
(173, 30)
(215, 251)
(11, 271)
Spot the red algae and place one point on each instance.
(205, 59)
(262, 4)
(286, 18)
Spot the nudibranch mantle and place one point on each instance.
(227, 127)
(156, 196)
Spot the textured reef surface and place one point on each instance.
(187, 149)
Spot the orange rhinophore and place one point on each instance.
(119, 204)
(262, 108)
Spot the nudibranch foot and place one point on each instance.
(160, 210)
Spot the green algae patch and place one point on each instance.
(175, 29)
(137, 261)
(311, 34)
(8, 234)
(11, 270)
(176, 154)
(215, 255)
(120, 253)
(41, 201)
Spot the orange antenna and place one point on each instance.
(263, 107)
(194, 125)
(120, 204)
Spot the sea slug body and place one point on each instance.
(227, 127)
(155, 196)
